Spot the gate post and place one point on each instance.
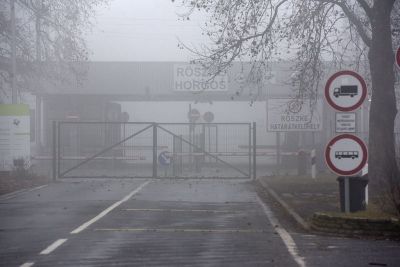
(54, 160)
(58, 149)
(249, 150)
(154, 150)
(254, 150)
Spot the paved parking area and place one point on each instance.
(158, 223)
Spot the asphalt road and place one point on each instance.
(165, 223)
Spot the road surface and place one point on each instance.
(124, 222)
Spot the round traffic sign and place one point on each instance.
(193, 115)
(164, 159)
(346, 154)
(345, 90)
(208, 116)
(398, 57)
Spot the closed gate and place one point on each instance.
(153, 150)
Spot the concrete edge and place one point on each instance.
(288, 209)
(21, 192)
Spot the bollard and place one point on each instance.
(364, 173)
(313, 164)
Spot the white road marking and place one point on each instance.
(178, 230)
(285, 236)
(106, 211)
(296, 216)
(53, 246)
(182, 210)
(27, 264)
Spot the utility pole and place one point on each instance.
(13, 55)
(37, 28)
(38, 127)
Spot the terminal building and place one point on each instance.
(168, 91)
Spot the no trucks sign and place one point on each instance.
(345, 90)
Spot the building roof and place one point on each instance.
(158, 81)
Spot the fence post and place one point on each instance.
(54, 159)
(250, 149)
(254, 150)
(154, 150)
(278, 152)
(58, 149)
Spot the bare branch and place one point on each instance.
(366, 8)
(356, 22)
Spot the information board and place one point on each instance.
(14, 135)
(292, 115)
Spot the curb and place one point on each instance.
(356, 227)
(21, 192)
(340, 226)
(288, 209)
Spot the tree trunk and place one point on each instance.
(383, 170)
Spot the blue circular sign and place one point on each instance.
(164, 159)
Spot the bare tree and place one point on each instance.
(48, 33)
(319, 31)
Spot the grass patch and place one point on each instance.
(372, 212)
(17, 180)
(322, 178)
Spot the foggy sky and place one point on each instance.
(142, 30)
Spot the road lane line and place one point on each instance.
(172, 230)
(53, 246)
(27, 264)
(106, 211)
(183, 210)
(294, 214)
(285, 236)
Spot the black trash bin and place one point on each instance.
(357, 187)
(301, 163)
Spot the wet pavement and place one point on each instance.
(122, 222)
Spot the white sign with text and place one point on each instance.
(14, 135)
(345, 122)
(194, 78)
(294, 115)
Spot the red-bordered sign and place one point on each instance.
(398, 57)
(345, 90)
(208, 116)
(346, 154)
(193, 115)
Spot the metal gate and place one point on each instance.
(153, 150)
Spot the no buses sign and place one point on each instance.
(398, 57)
(346, 154)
